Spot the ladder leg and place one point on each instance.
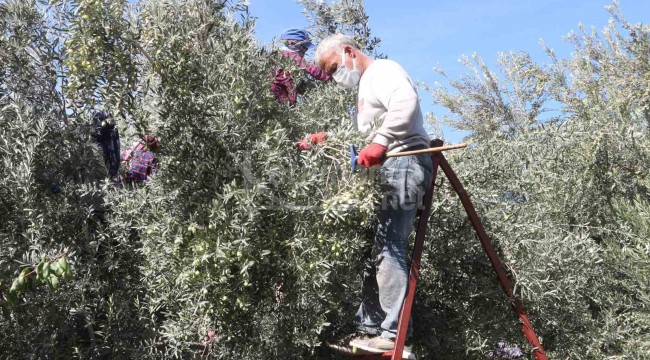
(423, 221)
(497, 265)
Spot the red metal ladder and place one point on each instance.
(439, 161)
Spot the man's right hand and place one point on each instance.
(311, 139)
(371, 155)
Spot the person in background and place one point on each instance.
(141, 159)
(285, 87)
(296, 44)
(108, 138)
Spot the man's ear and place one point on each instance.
(348, 50)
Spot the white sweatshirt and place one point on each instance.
(389, 107)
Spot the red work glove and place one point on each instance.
(317, 138)
(372, 155)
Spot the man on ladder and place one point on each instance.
(387, 102)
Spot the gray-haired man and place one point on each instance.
(389, 110)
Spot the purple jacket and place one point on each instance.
(283, 86)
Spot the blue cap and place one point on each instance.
(299, 35)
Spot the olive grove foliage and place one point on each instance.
(558, 169)
(51, 206)
(242, 247)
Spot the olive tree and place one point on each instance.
(557, 167)
(241, 246)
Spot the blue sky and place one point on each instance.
(422, 34)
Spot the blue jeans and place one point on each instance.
(404, 181)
